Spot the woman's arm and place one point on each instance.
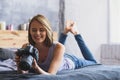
(55, 63)
(57, 58)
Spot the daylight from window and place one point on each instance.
(114, 8)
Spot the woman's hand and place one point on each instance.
(37, 69)
(34, 64)
(17, 60)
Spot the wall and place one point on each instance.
(91, 17)
(17, 12)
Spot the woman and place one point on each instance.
(51, 54)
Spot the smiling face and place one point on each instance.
(38, 32)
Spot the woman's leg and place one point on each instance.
(84, 49)
(89, 59)
(68, 27)
(62, 38)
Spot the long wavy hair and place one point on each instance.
(43, 21)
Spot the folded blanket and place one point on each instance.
(8, 65)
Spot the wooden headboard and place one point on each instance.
(15, 39)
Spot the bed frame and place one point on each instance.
(15, 39)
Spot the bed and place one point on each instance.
(93, 72)
(8, 66)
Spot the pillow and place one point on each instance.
(6, 53)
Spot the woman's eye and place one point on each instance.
(41, 30)
(34, 30)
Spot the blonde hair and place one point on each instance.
(43, 21)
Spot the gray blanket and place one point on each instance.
(94, 72)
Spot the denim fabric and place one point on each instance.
(89, 59)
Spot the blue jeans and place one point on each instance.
(89, 59)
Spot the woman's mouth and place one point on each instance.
(37, 37)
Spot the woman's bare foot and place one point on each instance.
(70, 27)
(67, 27)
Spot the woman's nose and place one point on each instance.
(38, 32)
